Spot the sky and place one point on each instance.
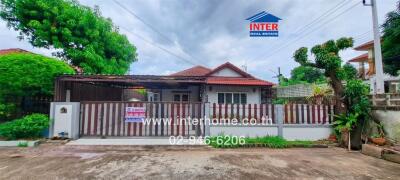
(212, 32)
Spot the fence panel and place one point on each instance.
(260, 113)
(308, 114)
(162, 119)
(266, 113)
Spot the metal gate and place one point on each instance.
(162, 119)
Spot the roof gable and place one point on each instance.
(263, 17)
(230, 66)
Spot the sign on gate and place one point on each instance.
(135, 114)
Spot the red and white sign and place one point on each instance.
(135, 114)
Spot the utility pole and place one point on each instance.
(379, 82)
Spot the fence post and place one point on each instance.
(279, 115)
(206, 120)
(387, 99)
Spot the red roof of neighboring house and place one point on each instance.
(365, 46)
(201, 71)
(194, 71)
(12, 50)
(360, 58)
(237, 81)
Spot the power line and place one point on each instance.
(309, 32)
(327, 13)
(315, 21)
(155, 45)
(151, 27)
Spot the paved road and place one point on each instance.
(50, 161)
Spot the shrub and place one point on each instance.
(222, 141)
(28, 127)
(23, 144)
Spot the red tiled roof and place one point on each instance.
(237, 81)
(365, 46)
(200, 71)
(194, 71)
(360, 58)
(12, 50)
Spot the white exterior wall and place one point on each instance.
(391, 122)
(290, 132)
(304, 132)
(252, 97)
(246, 131)
(226, 72)
(168, 94)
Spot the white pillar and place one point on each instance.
(377, 51)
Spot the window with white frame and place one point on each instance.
(232, 98)
(181, 97)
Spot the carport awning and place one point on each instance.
(127, 81)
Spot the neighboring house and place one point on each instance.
(392, 84)
(225, 84)
(363, 59)
(12, 50)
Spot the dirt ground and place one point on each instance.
(55, 161)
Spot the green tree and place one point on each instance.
(391, 42)
(307, 74)
(327, 59)
(24, 75)
(82, 36)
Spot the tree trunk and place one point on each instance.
(340, 106)
(338, 90)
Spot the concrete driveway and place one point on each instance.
(50, 161)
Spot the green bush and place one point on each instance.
(222, 141)
(23, 144)
(28, 127)
(269, 141)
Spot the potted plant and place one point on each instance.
(378, 139)
(319, 93)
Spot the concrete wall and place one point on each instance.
(253, 97)
(247, 131)
(306, 132)
(64, 119)
(391, 122)
(289, 132)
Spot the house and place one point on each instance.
(365, 58)
(225, 84)
(392, 84)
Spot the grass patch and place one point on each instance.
(23, 144)
(277, 142)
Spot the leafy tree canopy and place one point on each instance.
(27, 74)
(391, 42)
(307, 74)
(327, 59)
(82, 35)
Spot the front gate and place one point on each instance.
(162, 119)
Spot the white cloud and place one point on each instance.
(214, 31)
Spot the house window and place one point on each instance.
(243, 98)
(156, 97)
(181, 97)
(236, 98)
(177, 97)
(229, 98)
(221, 98)
(185, 98)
